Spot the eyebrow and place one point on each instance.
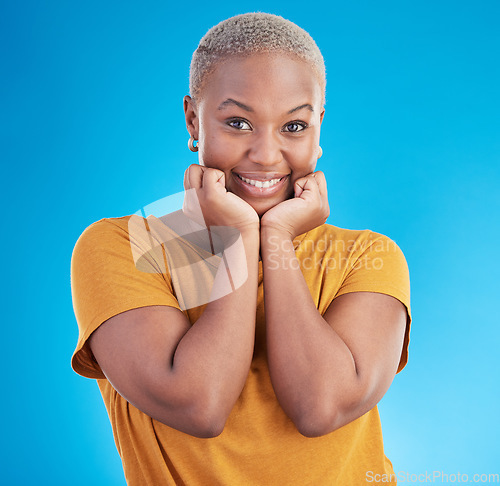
(306, 105)
(230, 101)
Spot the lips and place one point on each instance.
(260, 184)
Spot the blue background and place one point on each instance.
(91, 126)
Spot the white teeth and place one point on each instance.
(252, 182)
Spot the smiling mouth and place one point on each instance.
(261, 184)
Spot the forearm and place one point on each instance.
(212, 359)
(312, 370)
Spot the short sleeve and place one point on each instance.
(377, 264)
(107, 280)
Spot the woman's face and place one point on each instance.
(258, 120)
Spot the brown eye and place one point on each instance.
(239, 124)
(294, 127)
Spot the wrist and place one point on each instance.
(250, 231)
(224, 237)
(275, 241)
(275, 233)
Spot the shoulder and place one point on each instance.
(129, 231)
(128, 240)
(330, 238)
(100, 234)
(104, 227)
(359, 259)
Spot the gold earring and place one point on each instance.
(320, 153)
(191, 145)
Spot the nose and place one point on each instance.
(265, 149)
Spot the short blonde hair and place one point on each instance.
(251, 33)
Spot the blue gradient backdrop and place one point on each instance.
(91, 126)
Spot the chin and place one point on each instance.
(260, 209)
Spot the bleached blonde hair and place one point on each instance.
(252, 33)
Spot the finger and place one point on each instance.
(194, 176)
(323, 192)
(321, 180)
(213, 179)
(298, 187)
(307, 183)
(186, 179)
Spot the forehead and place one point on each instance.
(263, 78)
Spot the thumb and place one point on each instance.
(299, 187)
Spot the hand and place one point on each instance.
(208, 202)
(307, 210)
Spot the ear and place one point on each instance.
(191, 115)
(321, 115)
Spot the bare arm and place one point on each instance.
(327, 371)
(187, 377)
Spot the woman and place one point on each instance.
(234, 392)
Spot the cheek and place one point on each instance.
(215, 153)
(217, 150)
(303, 159)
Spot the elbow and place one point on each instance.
(195, 416)
(325, 413)
(195, 422)
(207, 418)
(208, 425)
(329, 416)
(310, 425)
(321, 419)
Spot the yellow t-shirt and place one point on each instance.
(259, 445)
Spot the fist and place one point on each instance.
(308, 208)
(208, 202)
